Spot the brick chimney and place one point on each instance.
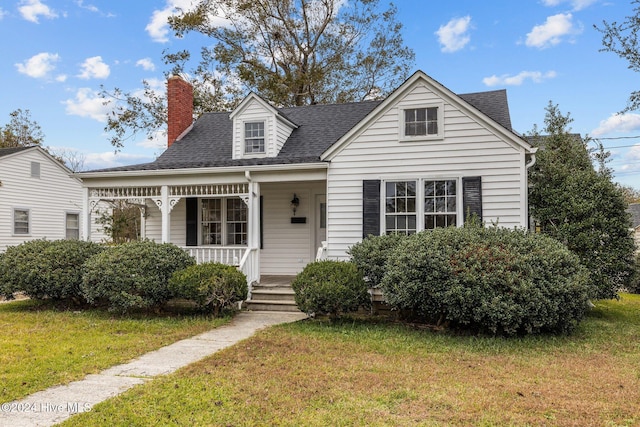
(179, 107)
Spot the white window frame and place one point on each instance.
(420, 199)
(223, 223)
(13, 221)
(246, 153)
(66, 225)
(428, 137)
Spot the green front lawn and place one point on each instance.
(41, 345)
(375, 373)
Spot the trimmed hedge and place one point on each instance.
(47, 269)
(371, 254)
(330, 288)
(133, 275)
(490, 280)
(212, 286)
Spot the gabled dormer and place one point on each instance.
(259, 129)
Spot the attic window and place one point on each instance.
(254, 137)
(35, 170)
(421, 123)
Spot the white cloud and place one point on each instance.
(32, 9)
(39, 66)
(158, 141)
(110, 159)
(552, 32)
(3, 13)
(94, 68)
(575, 4)
(518, 79)
(454, 35)
(87, 103)
(146, 64)
(618, 123)
(158, 26)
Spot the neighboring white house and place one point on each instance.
(38, 198)
(269, 188)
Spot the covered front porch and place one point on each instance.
(252, 225)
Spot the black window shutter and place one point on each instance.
(192, 221)
(472, 196)
(370, 207)
(261, 223)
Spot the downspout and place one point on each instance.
(529, 165)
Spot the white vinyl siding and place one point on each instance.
(47, 198)
(468, 148)
(287, 247)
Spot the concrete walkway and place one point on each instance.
(56, 404)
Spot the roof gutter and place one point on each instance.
(207, 171)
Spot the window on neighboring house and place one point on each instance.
(35, 170)
(254, 137)
(21, 221)
(72, 226)
(440, 204)
(229, 214)
(421, 121)
(400, 207)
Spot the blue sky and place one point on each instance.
(56, 54)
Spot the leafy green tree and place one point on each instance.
(21, 131)
(291, 52)
(580, 206)
(622, 39)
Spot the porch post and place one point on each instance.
(164, 209)
(86, 215)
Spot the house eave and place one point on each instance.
(204, 171)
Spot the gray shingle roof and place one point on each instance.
(11, 150)
(634, 210)
(209, 142)
(492, 103)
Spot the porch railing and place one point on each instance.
(225, 255)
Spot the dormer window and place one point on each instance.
(254, 137)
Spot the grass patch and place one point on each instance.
(43, 345)
(368, 372)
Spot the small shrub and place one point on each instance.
(492, 280)
(212, 286)
(371, 254)
(330, 287)
(48, 269)
(133, 275)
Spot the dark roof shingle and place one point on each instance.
(209, 142)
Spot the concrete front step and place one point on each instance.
(279, 293)
(272, 305)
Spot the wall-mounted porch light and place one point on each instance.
(295, 202)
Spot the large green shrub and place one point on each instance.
(133, 275)
(47, 269)
(371, 254)
(211, 286)
(330, 287)
(490, 280)
(6, 289)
